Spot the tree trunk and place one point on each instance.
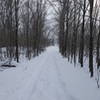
(91, 40)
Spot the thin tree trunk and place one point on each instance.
(91, 40)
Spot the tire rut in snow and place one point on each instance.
(35, 84)
(61, 81)
(30, 86)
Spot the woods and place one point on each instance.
(78, 25)
(49, 49)
(22, 28)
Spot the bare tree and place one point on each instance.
(81, 52)
(91, 38)
(17, 23)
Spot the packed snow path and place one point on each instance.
(47, 77)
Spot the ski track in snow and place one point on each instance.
(63, 84)
(43, 78)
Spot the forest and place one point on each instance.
(77, 23)
(25, 30)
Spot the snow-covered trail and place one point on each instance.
(47, 77)
(49, 85)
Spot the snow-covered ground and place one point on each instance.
(47, 77)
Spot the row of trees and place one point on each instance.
(79, 31)
(22, 28)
